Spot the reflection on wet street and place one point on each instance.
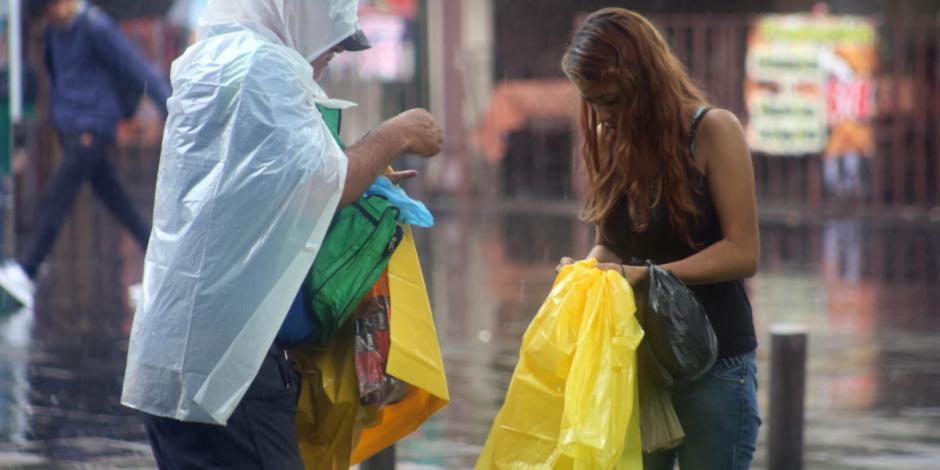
(63, 364)
(867, 291)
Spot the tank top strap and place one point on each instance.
(696, 120)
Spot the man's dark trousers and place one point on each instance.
(87, 156)
(260, 435)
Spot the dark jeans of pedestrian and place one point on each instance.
(87, 156)
(260, 434)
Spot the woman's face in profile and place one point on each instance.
(606, 98)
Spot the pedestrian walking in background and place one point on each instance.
(96, 78)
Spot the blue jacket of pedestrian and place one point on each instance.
(97, 76)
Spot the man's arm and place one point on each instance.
(125, 63)
(412, 132)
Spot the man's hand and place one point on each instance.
(411, 132)
(399, 176)
(418, 131)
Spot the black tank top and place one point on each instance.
(725, 303)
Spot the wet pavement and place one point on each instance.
(867, 291)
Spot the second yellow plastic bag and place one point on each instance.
(328, 408)
(414, 356)
(572, 402)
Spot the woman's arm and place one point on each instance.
(722, 147)
(605, 256)
(601, 252)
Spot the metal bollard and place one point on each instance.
(384, 460)
(787, 390)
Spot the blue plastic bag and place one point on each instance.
(412, 212)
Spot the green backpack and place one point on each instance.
(356, 250)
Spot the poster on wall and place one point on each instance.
(810, 85)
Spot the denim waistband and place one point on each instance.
(735, 361)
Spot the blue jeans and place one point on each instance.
(720, 417)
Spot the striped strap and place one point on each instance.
(699, 115)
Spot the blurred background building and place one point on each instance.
(489, 70)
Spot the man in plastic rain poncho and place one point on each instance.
(249, 180)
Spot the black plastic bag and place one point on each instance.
(679, 344)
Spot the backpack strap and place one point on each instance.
(696, 120)
(334, 121)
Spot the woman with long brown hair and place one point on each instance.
(671, 181)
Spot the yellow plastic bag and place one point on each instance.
(334, 431)
(414, 356)
(572, 402)
(328, 407)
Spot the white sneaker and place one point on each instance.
(135, 293)
(15, 281)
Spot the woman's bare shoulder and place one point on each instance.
(719, 121)
(720, 136)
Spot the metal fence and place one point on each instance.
(904, 172)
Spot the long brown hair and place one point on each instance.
(647, 159)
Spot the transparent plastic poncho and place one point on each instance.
(249, 179)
